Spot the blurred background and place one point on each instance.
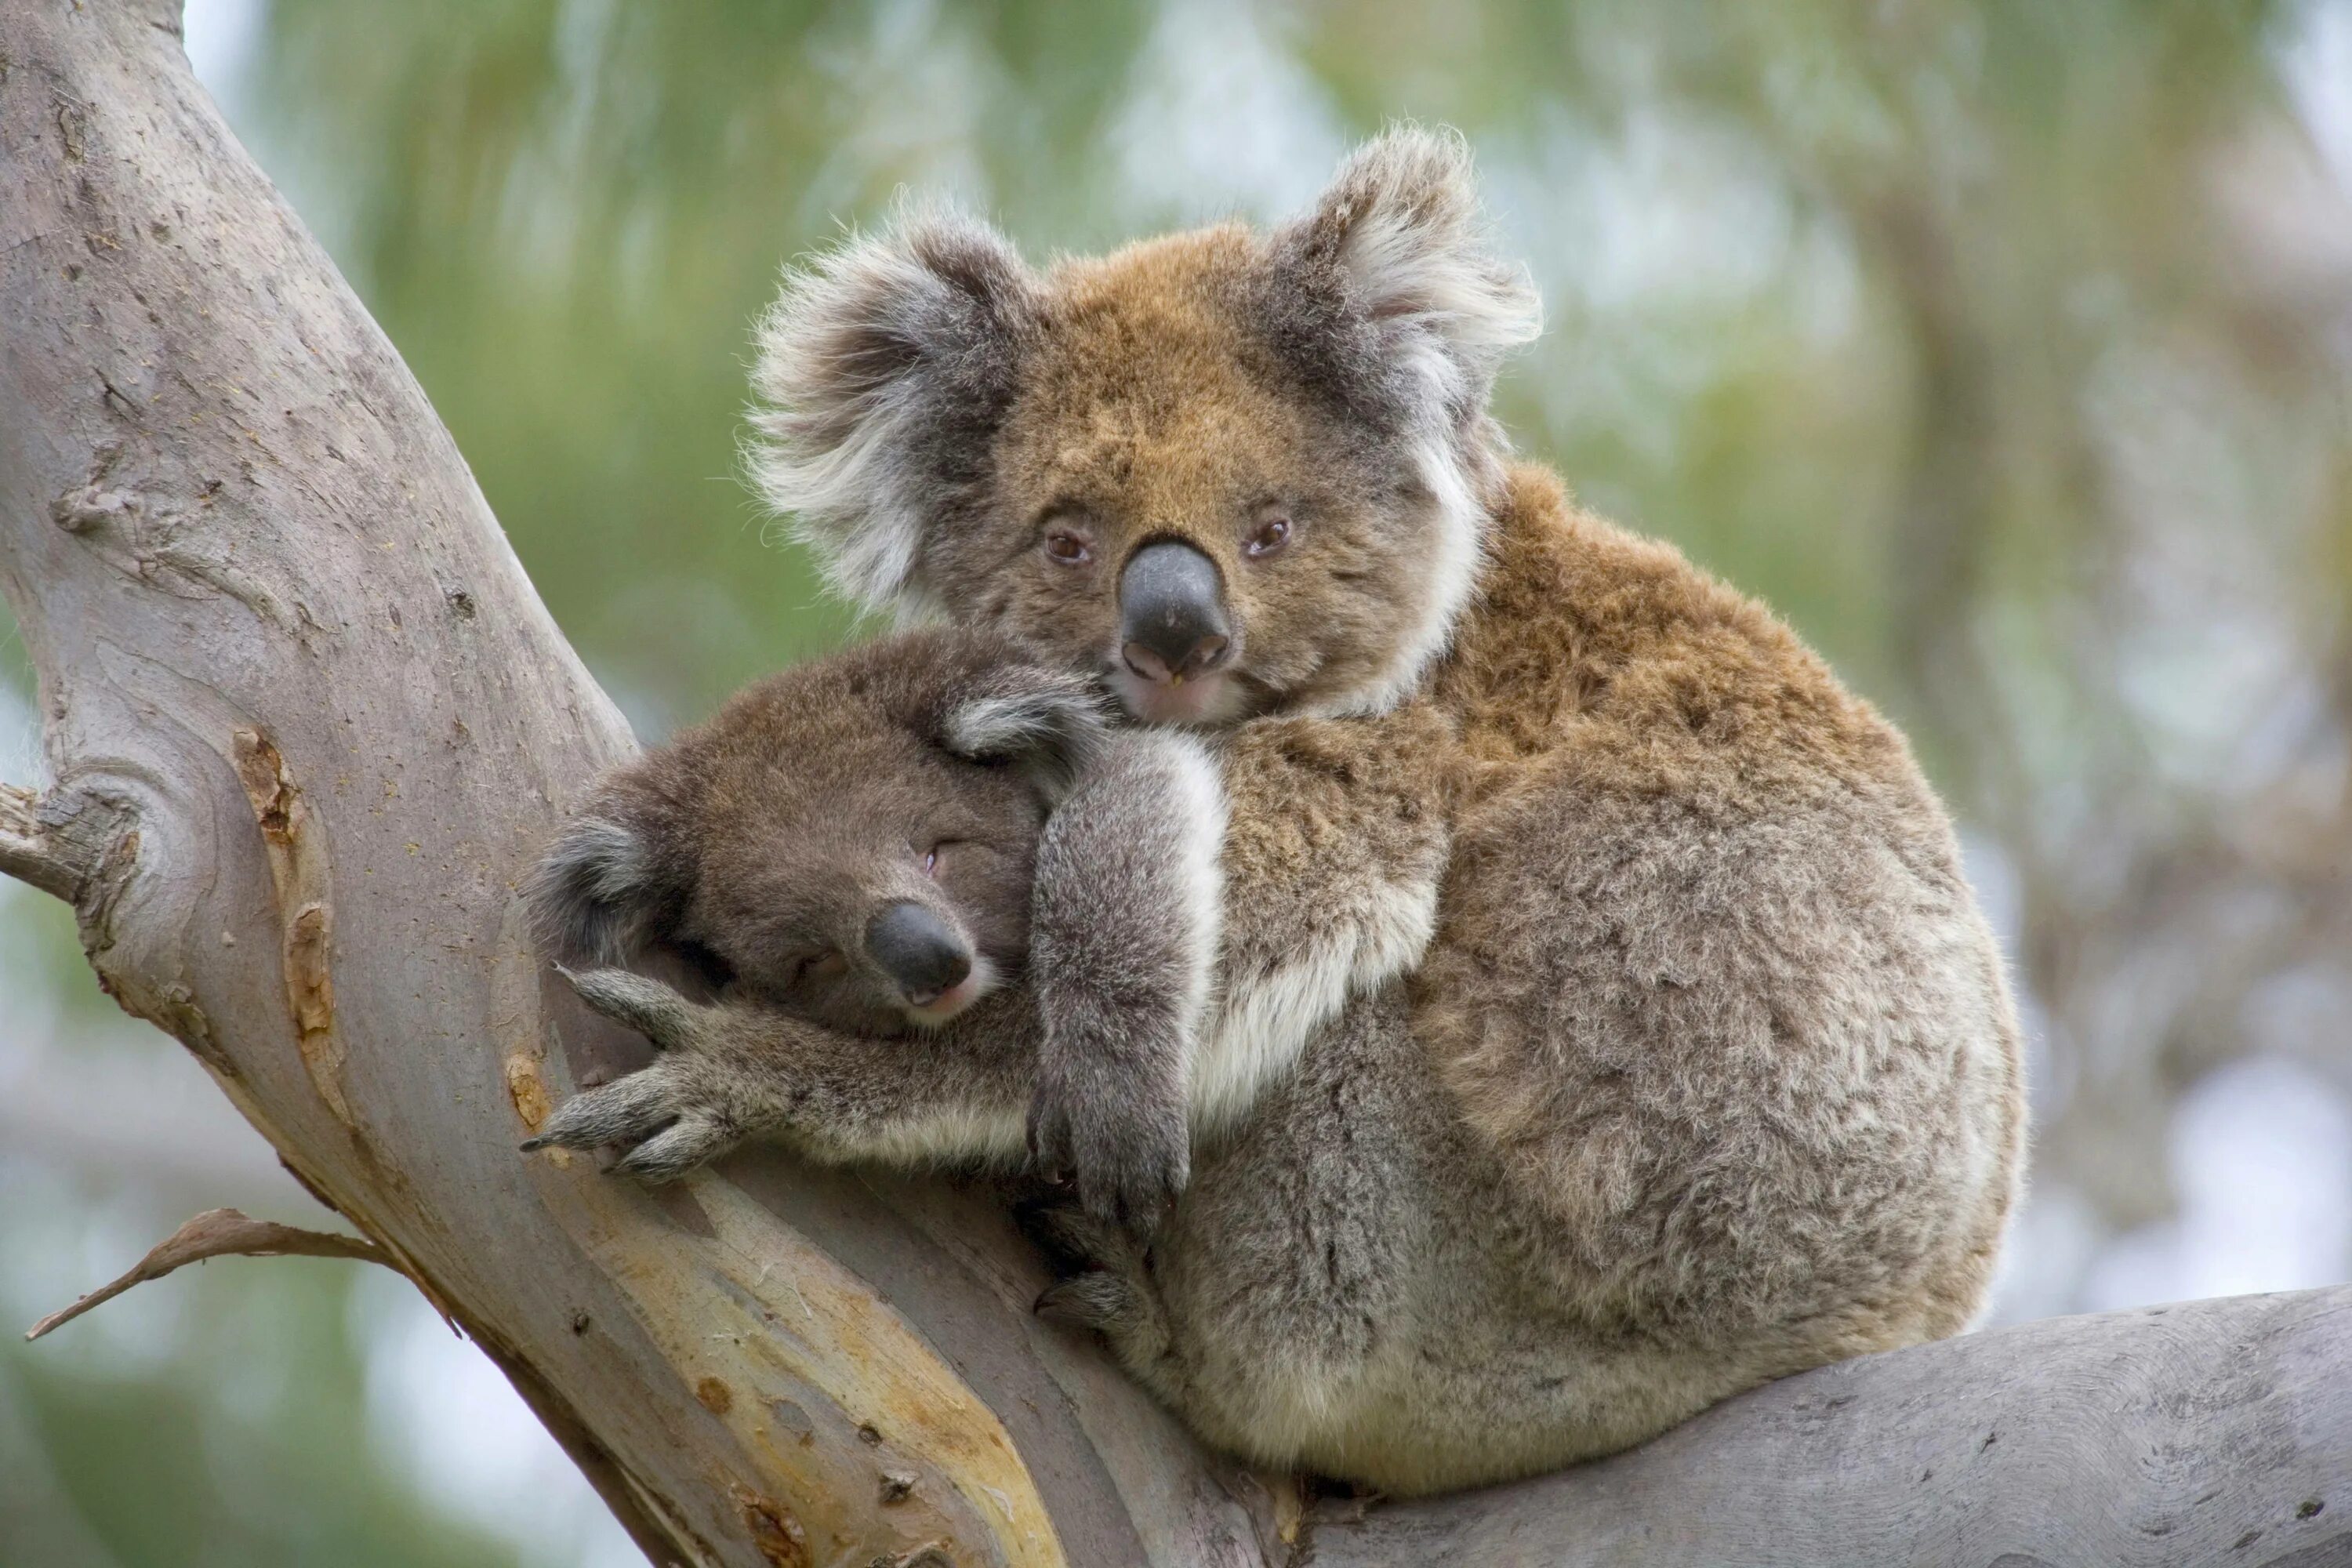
(2005, 348)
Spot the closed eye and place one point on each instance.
(826, 965)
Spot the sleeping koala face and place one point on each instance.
(1227, 472)
(851, 840)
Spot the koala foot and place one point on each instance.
(1073, 1240)
(671, 1117)
(1106, 1282)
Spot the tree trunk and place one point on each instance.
(309, 723)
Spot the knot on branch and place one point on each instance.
(87, 508)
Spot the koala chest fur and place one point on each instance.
(1336, 837)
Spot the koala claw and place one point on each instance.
(1096, 1299)
(1129, 1166)
(669, 1117)
(690, 1141)
(635, 1108)
(663, 1016)
(1073, 1240)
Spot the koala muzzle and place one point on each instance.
(1171, 609)
(916, 949)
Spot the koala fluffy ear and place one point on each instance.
(883, 368)
(608, 888)
(1048, 723)
(1398, 239)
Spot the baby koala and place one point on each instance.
(996, 920)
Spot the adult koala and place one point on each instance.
(1706, 976)
(1709, 1073)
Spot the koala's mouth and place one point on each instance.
(1219, 697)
(929, 1009)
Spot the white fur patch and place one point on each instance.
(1414, 250)
(837, 426)
(1420, 268)
(1200, 808)
(585, 897)
(852, 501)
(1056, 724)
(1262, 1022)
(608, 858)
(960, 1136)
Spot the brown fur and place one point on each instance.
(1712, 1072)
(1708, 972)
(732, 842)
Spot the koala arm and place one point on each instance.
(1319, 883)
(1124, 926)
(735, 1071)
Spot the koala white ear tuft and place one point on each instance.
(1399, 227)
(600, 893)
(1048, 723)
(882, 370)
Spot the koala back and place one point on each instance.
(1707, 973)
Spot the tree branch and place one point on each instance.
(313, 725)
(218, 1233)
(53, 850)
(2210, 1432)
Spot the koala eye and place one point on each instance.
(827, 966)
(1067, 548)
(1267, 538)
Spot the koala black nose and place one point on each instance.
(916, 949)
(1172, 611)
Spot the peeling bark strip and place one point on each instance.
(777, 1366)
(218, 1233)
(298, 871)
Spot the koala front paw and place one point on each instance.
(1129, 1152)
(671, 1116)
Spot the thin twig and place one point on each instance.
(220, 1233)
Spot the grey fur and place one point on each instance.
(1055, 726)
(1391, 298)
(600, 894)
(1123, 938)
(884, 369)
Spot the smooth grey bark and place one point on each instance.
(309, 724)
(2192, 1435)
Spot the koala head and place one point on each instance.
(851, 840)
(1230, 472)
